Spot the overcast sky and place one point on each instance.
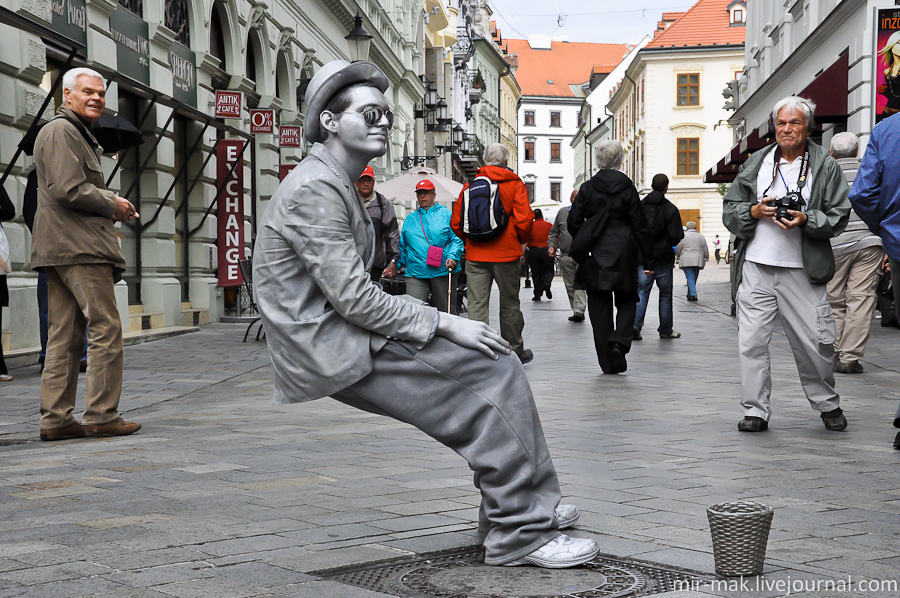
(599, 21)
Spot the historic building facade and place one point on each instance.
(164, 60)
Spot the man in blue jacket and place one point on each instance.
(876, 199)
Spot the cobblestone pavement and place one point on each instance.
(223, 494)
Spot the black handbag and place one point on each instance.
(588, 235)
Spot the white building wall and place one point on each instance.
(542, 171)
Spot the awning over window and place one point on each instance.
(831, 107)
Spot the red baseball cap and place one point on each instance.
(368, 172)
(424, 185)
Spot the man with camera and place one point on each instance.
(785, 205)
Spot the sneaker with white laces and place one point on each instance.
(560, 552)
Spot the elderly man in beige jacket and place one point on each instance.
(692, 253)
(76, 245)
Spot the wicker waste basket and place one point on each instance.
(740, 531)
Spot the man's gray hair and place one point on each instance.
(807, 107)
(496, 154)
(845, 145)
(72, 75)
(609, 155)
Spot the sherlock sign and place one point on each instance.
(290, 136)
(229, 104)
(230, 214)
(262, 121)
(182, 63)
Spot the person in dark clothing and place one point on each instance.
(29, 207)
(664, 224)
(7, 212)
(384, 219)
(609, 273)
(540, 261)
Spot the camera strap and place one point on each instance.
(801, 178)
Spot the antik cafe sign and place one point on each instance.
(132, 45)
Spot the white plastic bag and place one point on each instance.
(5, 267)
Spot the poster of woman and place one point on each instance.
(887, 63)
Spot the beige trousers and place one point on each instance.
(851, 294)
(577, 299)
(78, 295)
(480, 276)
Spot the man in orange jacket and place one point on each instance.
(499, 259)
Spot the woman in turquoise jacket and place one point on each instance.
(429, 226)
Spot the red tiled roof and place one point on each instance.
(707, 23)
(565, 64)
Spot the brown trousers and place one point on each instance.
(78, 295)
(851, 293)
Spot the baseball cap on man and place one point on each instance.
(424, 185)
(330, 79)
(368, 172)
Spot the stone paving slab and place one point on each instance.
(223, 493)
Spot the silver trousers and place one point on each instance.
(484, 411)
(767, 291)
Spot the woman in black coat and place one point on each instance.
(609, 273)
(7, 212)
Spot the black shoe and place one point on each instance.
(82, 367)
(897, 441)
(549, 294)
(753, 424)
(526, 356)
(834, 420)
(617, 358)
(637, 335)
(576, 318)
(536, 298)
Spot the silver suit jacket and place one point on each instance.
(324, 317)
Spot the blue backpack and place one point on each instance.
(482, 216)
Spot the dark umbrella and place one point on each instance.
(114, 133)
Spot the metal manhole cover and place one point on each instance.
(463, 574)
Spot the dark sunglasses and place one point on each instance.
(373, 114)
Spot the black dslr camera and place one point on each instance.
(791, 201)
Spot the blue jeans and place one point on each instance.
(691, 273)
(44, 322)
(663, 278)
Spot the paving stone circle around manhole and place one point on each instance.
(462, 573)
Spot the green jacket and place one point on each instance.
(827, 213)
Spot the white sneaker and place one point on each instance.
(566, 515)
(560, 552)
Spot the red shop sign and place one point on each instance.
(262, 121)
(290, 136)
(230, 214)
(229, 104)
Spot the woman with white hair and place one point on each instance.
(609, 272)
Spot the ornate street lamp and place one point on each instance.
(440, 114)
(359, 40)
(459, 135)
(431, 96)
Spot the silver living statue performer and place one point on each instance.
(333, 331)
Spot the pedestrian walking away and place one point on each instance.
(788, 200)
(609, 210)
(333, 332)
(692, 253)
(495, 253)
(664, 224)
(430, 252)
(558, 242)
(717, 244)
(75, 244)
(875, 197)
(384, 221)
(857, 267)
(538, 257)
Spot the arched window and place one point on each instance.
(176, 19)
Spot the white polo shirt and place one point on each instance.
(772, 245)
